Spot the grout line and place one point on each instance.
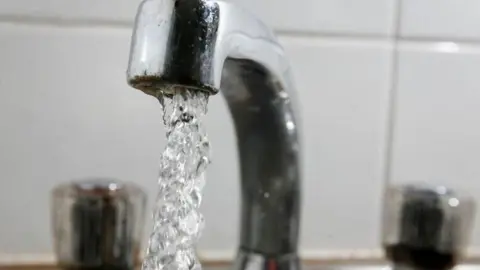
(439, 47)
(332, 35)
(94, 22)
(336, 42)
(213, 256)
(427, 39)
(98, 23)
(210, 256)
(64, 22)
(392, 100)
(59, 22)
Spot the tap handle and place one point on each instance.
(426, 220)
(97, 224)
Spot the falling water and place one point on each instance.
(177, 220)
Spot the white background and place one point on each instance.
(368, 104)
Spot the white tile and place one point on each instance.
(371, 17)
(436, 130)
(343, 90)
(442, 19)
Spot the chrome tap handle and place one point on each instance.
(424, 225)
(97, 224)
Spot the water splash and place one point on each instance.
(177, 220)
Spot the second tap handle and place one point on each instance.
(427, 220)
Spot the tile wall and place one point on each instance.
(371, 108)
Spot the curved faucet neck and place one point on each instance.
(211, 46)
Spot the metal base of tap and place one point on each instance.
(255, 261)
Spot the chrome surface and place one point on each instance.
(97, 223)
(217, 46)
(425, 217)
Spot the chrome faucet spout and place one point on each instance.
(214, 46)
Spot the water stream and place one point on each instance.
(177, 220)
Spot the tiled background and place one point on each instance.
(373, 109)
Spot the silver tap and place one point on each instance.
(426, 227)
(216, 46)
(97, 224)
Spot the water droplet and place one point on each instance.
(196, 198)
(202, 164)
(150, 263)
